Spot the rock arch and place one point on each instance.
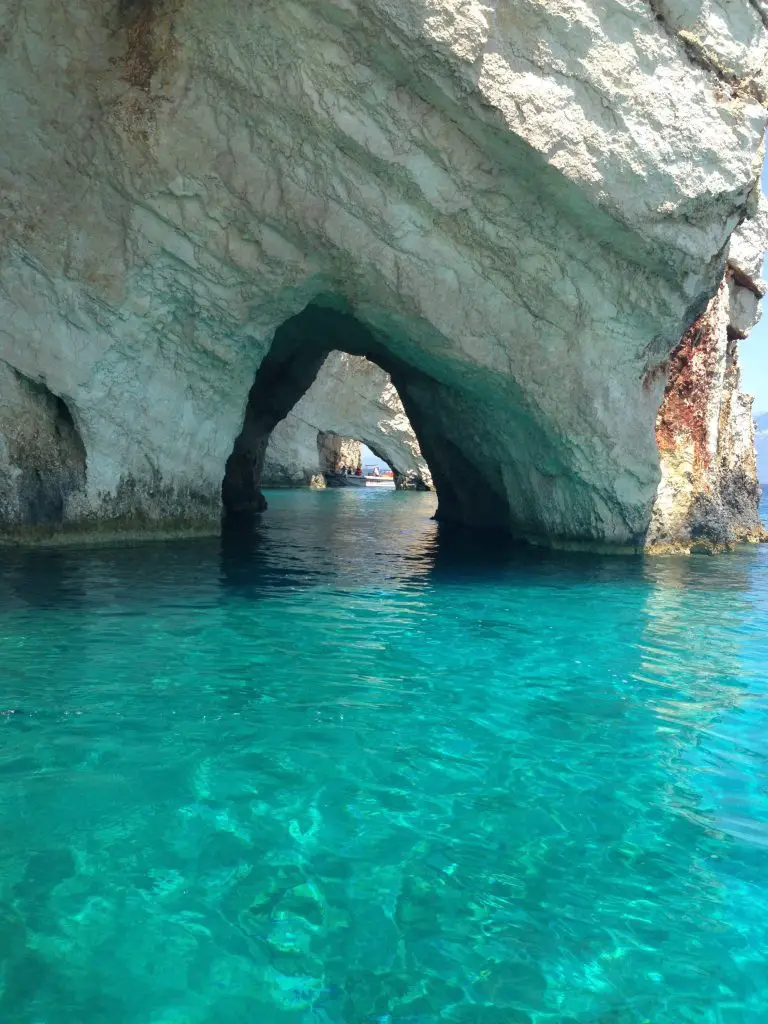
(496, 462)
(523, 214)
(351, 401)
(299, 349)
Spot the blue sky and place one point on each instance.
(369, 459)
(754, 351)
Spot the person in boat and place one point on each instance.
(358, 471)
(376, 471)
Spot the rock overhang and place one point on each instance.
(526, 204)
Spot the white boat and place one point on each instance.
(386, 483)
(378, 479)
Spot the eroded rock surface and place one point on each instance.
(350, 398)
(709, 492)
(521, 206)
(42, 460)
(334, 451)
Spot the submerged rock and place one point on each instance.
(517, 211)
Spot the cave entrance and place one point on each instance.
(327, 382)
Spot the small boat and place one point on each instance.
(344, 480)
(374, 478)
(384, 481)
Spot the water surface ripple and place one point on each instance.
(354, 770)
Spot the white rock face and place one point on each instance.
(353, 398)
(746, 251)
(335, 451)
(523, 205)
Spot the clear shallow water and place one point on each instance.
(353, 772)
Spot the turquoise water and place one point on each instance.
(355, 771)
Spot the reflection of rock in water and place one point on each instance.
(250, 559)
(706, 619)
(327, 539)
(42, 578)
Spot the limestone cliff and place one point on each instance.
(516, 209)
(350, 398)
(709, 492)
(42, 461)
(333, 451)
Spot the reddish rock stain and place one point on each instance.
(693, 367)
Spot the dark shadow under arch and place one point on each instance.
(49, 454)
(298, 350)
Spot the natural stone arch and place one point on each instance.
(526, 211)
(299, 349)
(494, 464)
(405, 479)
(333, 449)
(351, 401)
